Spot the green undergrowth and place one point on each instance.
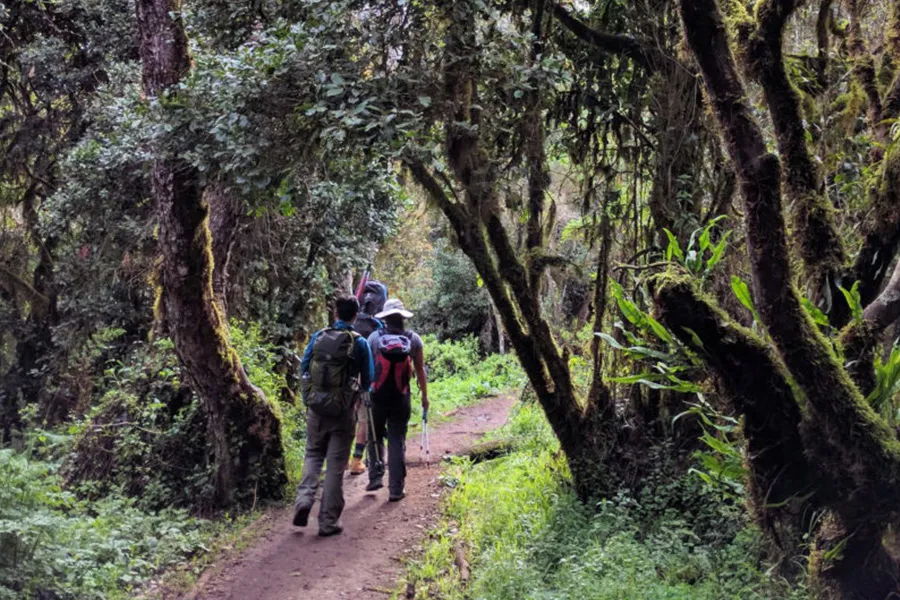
(55, 545)
(458, 376)
(100, 506)
(526, 536)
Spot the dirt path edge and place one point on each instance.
(366, 561)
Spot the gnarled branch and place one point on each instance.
(819, 243)
(756, 384)
(607, 42)
(836, 405)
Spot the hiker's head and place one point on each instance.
(346, 307)
(395, 322)
(394, 314)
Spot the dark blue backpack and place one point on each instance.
(372, 302)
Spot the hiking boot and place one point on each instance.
(301, 515)
(330, 531)
(397, 496)
(356, 466)
(375, 484)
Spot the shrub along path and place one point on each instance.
(366, 560)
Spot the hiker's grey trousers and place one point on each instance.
(328, 441)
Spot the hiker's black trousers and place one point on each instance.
(390, 417)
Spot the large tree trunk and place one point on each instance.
(225, 216)
(587, 435)
(244, 429)
(854, 455)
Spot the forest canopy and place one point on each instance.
(681, 217)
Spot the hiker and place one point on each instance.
(336, 367)
(397, 353)
(372, 295)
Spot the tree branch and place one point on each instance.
(39, 301)
(881, 237)
(756, 384)
(820, 244)
(839, 410)
(606, 42)
(860, 340)
(885, 309)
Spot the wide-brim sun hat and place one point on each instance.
(394, 307)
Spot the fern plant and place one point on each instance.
(884, 397)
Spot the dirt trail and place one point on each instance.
(364, 562)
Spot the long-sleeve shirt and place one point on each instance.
(362, 357)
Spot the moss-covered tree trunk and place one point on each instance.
(586, 430)
(854, 457)
(225, 216)
(244, 430)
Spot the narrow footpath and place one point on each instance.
(366, 561)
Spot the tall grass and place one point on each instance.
(458, 376)
(528, 538)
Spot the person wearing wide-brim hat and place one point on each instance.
(398, 353)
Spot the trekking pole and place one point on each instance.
(373, 439)
(423, 440)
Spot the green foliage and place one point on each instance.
(742, 293)
(818, 317)
(458, 375)
(854, 301)
(144, 436)
(701, 255)
(722, 467)
(264, 364)
(884, 398)
(55, 545)
(528, 538)
(666, 358)
(456, 305)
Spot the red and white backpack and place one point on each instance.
(393, 363)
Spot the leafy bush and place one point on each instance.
(263, 362)
(457, 305)
(54, 545)
(145, 436)
(528, 537)
(458, 375)
(884, 398)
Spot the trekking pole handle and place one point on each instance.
(425, 416)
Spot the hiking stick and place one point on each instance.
(423, 439)
(373, 440)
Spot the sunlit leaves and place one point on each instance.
(701, 255)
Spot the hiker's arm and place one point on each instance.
(365, 363)
(307, 354)
(421, 378)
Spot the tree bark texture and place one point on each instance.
(226, 211)
(674, 196)
(244, 429)
(858, 455)
(471, 204)
(818, 241)
(783, 487)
